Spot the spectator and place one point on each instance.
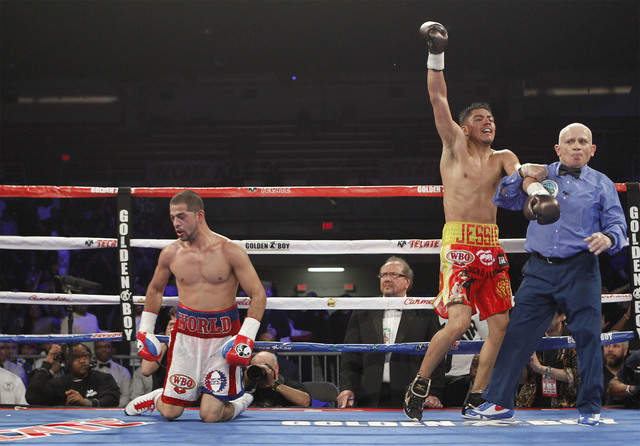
(104, 353)
(614, 355)
(551, 375)
(625, 386)
(269, 387)
(29, 353)
(82, 387)
(12, 389)
(8, 356)
(83, 321)
(39, 322)
(379, 379)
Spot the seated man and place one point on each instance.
(624, 388)
(11, 388)
(86, 387)
(269, 388)
(122, 375)
(378, 380)
(551, 376)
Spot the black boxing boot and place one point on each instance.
(414, 398)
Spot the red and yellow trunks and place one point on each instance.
(473, 270)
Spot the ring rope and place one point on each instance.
(294, 247)
(273, 303)
(232, 192)
(411, 348)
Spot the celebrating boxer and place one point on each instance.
(473, 267)
(562, 272)
(208, 345)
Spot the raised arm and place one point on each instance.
(437, 38)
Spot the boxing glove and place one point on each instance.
(545, 209)
(149, 347)
(437, 38)
(240, 353)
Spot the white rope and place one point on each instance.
(273, 303)
(266, 246)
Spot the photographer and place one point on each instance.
(269, 388)
(625, 386)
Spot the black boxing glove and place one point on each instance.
(437, 38)
(545, 209)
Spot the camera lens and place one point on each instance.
(256, 373)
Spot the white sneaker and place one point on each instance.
(488, 411)
(144, 403)
(589, 419)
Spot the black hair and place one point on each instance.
(464, 114)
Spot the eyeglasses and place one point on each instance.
(80, 357)
(391, 275)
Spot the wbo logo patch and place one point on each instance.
(551, 187)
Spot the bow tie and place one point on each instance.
(566, 170)
(104, 364)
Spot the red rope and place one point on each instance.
(232, 192)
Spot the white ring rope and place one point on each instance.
(273, 303)
(294, 247)
(266, 246)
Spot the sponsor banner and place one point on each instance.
(443, 423)
(124, 256)
(633, 232)
(40, 431)
(55, 243)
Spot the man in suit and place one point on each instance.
(379, 379)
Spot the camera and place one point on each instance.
(256, 373)
(631, 376)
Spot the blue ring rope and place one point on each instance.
(410, 348)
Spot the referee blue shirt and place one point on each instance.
(588, 204)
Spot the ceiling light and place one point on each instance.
(332, 269)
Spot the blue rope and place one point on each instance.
(410, 348)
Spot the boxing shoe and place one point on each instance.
(144, 403)
(414, 398)
(473, 401)
(489, 411)
(589, 419)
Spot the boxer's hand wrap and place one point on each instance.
(537, 171)
(240, 353)
(148, 345)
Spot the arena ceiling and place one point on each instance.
(141, 39)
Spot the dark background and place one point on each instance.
(203, 94)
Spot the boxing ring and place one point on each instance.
(331, 427)
(286, 426)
